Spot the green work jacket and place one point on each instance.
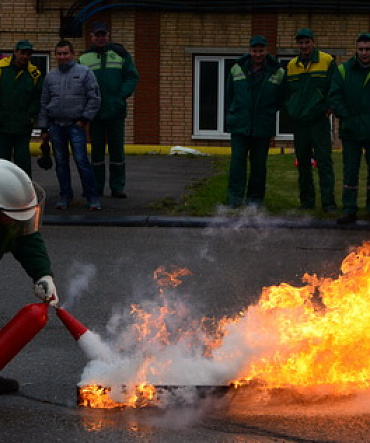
(307, 87)
(253, 100)
(29, 251)
(350, 100)
(117, 77)
(20, 92)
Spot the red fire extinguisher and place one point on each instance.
(21, 329)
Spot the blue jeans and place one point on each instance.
(61, 137)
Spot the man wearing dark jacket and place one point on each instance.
(253, 96)
(20, 90)
(21, 205)
(117, 77)
(350, 100)
(308, 81)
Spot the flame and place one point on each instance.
(95, 396)
(313, 338)
(321, 331)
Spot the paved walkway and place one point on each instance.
(150, 179)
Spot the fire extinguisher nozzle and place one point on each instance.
(75, 327)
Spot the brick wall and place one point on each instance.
(170, 84)
(178, 32)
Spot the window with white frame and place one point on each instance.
(283, 127)
(210, 79)
(211, 72)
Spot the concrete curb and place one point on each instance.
(201, 222)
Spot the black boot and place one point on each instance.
(8, 386)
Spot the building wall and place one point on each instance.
(167, 113)
(180, 31)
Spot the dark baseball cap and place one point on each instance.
(24, 44)
(100, 27)
(304, 32)
(363, 37)
(258, 40)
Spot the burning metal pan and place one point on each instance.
(148, 396)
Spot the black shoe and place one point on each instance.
(119, 194)
(347, 219)
(8, 386)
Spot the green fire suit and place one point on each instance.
(252, 102)
(307, 87)
(350, 100)
(28, 250)
(117, 78)
(20, 91)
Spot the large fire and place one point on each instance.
(312, 338)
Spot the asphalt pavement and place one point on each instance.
(152, 181)
(105, 262)
(101, 271)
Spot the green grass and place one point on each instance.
(205, 197)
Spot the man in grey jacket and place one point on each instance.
(70, 99)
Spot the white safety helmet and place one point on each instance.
(21, 201)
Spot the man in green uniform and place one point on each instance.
(308, 79)
(20, 91)
(21, 204)
(253, 96)
(350, 100)
(117, 78)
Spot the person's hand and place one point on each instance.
(45, 290)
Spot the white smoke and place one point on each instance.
(79, 277)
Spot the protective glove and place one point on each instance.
(45, 290)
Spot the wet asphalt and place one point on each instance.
(121, 247)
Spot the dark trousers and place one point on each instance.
(351, 154)
(16, 148)
(242, 147)
(113, 133)
(314, 140)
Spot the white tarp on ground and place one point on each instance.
(180, 150)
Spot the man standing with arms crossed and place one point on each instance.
(308, 81)
(350, 99)
(117, 78)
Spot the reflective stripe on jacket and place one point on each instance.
(117, 77)
(350, 99)
(20, 91)
(308, 86)
(252, 102)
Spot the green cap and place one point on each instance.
(257, 40)
(363, 37)
(24, 44)
(305, 32)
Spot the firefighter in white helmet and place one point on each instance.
(21, 205)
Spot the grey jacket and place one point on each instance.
(69, 93)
